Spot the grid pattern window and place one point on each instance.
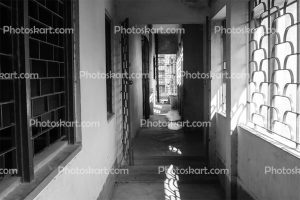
(36, 82)
(47, 59)
(274, 67)
(7, 98)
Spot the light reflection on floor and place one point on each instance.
(171, 185)
(175, 150)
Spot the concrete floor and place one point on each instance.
(151, 153)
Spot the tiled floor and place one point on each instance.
(155, 148)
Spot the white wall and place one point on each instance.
(238, 56)
(251, 168)
(237, 59)
(99, 144)
(217, 119)
(237, 62)
(221, 123)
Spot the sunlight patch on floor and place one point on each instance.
(175, 150)
(171, 185)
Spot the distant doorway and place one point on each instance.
(167, 77)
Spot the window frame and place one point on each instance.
(271, 44)
(27, 165)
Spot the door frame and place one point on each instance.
(126, 82)
(145, 80)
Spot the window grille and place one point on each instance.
(274, 67)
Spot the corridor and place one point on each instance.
(149, 99)
(159, 147)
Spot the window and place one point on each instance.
(109, 88)
(274, 96)
(45, 95)
(8, 127)
(162, 89)
(47, 59)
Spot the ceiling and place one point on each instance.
(196, 3)
(193, 3)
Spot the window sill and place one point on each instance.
(272, 141)
(45, 171)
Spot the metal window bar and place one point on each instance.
(126, 136)
(46, 55)
(298, 77)
(47, 58)
(258, 11)
(8, 134)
